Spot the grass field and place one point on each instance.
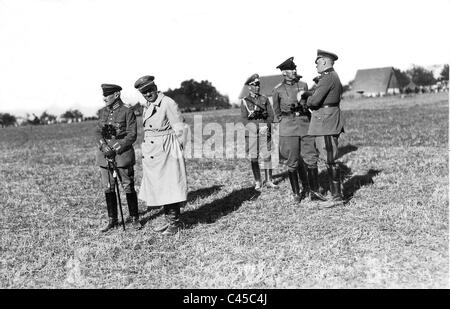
(392, 233)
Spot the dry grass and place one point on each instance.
(393, 232)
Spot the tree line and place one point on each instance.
(71, 115)
(420, 76)
(193, 96)
(190, 96)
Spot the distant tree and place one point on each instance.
(72, 114)
(444, 73)
(421, 76)
(194, 96)
(7, 120)
(67, 114)
(77, 114)
(47, 118)
(402, 78)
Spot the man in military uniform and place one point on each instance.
(256, 110)
(295, 144)
(327, 122)
(117, 146)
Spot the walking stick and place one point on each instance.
(116, 175)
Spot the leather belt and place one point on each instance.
(151, 133)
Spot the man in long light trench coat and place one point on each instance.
(164, 172)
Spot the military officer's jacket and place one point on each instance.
(257, 104)
(123, 120)
(284, 96)
(326, 118)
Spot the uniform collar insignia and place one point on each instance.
(290, 83)
(328, 70)
(116, 105)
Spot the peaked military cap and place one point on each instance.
(145, 84)
(288, 64)
(253, 80)
(322, 53)
(109, 89)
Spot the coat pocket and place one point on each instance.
(323, 115)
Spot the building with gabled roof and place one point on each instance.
(376, 82)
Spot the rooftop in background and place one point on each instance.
(376, 80)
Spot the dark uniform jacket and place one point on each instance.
(326, 117)
(284, 95)
(124, 121)
(258, 104)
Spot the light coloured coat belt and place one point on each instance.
(151, 133)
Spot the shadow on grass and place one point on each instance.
(352, 184)
(192, 196)
(210, 212)
(203, 192)
(356, 182)
(342, 151)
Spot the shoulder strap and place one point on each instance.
(244, 101)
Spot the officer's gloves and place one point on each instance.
(303, 95)
(257, 114)
(108, 151)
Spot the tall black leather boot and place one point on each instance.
(293, 178)
(256, 174)
(334, 176)
(133, 210)
(313, 179)
(173, 218)
(302, 174)
(111, 206)
(335, 187)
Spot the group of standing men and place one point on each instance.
(164, 172)
(310, 123)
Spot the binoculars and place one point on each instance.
(108, 131)
(299, 108)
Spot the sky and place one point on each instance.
(55, 54)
